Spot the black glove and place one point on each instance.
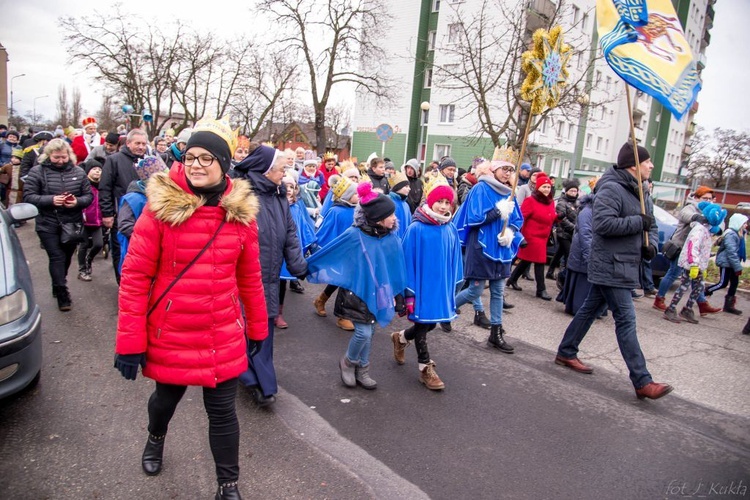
(128, 364)
(523, 243)
(302, 276)
(253, 346)
(698, 218)
(648, 221)
(400, 305)
(648, 252)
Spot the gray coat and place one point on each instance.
(615, 258)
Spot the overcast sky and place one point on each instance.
(33, 40)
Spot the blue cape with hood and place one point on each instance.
(327, 203)
(339, 219)
(478, 212)
(372, 268)
(305, 233)
(434, 268)
(403, 213)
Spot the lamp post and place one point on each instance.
(730, 164)
(34, 115)
(12, 102)
(425, 107)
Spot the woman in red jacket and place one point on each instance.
(538, 217)
(192, 258)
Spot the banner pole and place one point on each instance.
(637, 161)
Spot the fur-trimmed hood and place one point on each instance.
(171, 200)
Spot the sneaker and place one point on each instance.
(650, 293)
(399, 349)
(671, 315)
(84, 276)
(429, 377)
(688, 315)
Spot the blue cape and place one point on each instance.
(327, 203)
(477, 209)
(305, 233)
(137, 202)
(403, 214)
(372, 268)
(434, 268)
(338, 220)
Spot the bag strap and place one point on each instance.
(184, 270)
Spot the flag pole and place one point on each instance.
(637, 161)
(521, 154)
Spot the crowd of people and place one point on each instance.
(207, 217)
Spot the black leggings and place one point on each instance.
(521, 268)
(223, 426)
(330, 289)
(418, 333)
(59, 255)
(92, 243)
(563, 249)
(727, 277)
(282, 291)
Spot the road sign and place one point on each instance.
(384, 132)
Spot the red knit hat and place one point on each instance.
(442, 192)
(542, 179)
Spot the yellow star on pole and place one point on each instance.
(546, 69)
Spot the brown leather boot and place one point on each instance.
(345, 324)
(704, 308)
(659, 303)
(279, 322)
(320, 304)
(429, 377)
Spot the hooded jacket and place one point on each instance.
(580, 247)
(415, 183)
(196, 334)
(732, 251)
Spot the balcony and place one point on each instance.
(706, 40)
(690, 130)
(539, 13)
(701, 61)
(687, 150)
(640, 105)
(710, 12)
(694, 108)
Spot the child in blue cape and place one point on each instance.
(349, 171)
(338, 219)
(400, 190)
(434, 268)
(367, 263)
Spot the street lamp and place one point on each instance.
(730, 164)
(12, 102)
(425, 107)
(33, 117)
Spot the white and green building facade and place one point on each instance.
(587, 144)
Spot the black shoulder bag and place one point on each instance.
(184, 270)
(71, 232)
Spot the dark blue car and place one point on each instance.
(20, 318)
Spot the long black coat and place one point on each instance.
(44, 182)
(118, 172)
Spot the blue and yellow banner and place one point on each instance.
(643, 42)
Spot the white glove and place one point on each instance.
(505, 207)
(506, 238)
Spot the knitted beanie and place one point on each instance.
(626, 156)
(441, 192)
(376, 206)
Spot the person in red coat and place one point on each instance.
(538, 217)
(84, 143)
(327, 169)
(183, 323)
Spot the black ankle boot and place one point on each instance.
(481, 320)
(64, 302)
(729, 303)
(152, 455)
(228, 491)
(746, 330)
(497, 341)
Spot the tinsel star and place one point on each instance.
(546, 69)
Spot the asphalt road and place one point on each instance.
(506, 426)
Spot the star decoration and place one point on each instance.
(546, 69)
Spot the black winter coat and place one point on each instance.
(615, 258)
(44, 182)
(117, 174)
(378, 181)
(567, 212)
(277, 236)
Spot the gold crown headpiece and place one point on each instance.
(270, 144)
(506, 153)
(341, 186)
(221, 128)
(438, 180)
(329, 156)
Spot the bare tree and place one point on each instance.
(63, 107)
(76, 108)
(337, 41)
(483, 66)
(720, 159)
(108, 115)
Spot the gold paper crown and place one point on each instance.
(506, 153)
(329, 156)
(221, 128)
(397, 178)
(340, 187)
(270, 144)
(438, 180)
(364, 178)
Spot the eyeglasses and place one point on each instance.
(706, 198)
(204, 160)
(508, 168)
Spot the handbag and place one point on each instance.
(72, 232)
(670, 250)
(184, 270)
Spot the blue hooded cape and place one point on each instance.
(338, 220)
(403, 214)
(327, 203)
(478, 212)
(370, 267)
(434, 268)
(305, 233)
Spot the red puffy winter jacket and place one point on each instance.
(196, 335)
(538, 219)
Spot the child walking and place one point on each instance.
(434, 268)
(93, 238)
(367, 263)
(694, 261)
(732, 253)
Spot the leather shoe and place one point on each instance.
(543, 295)
(515, 286)
(260, 398)
(152, 455)
(446, 326)
(653, 390)
(574, 364)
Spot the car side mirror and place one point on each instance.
(22, 211)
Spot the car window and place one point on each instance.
(664, 217)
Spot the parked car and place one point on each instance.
(743, 205)
(20, 317)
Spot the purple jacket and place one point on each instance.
(92, 215)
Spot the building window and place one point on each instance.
(576, 14)
(565, 168)
(540, 161)
(442, 150)
(588, 141)
(555, 170)
(425, 116)
(599, 144)
(428, 78)
(435, 5)
(579, 60)
(584, 22)
(454, 32)
(606, 146)
(560, 126)
(570, 131)
(603, 112)
(543, 127)
(431, 37)
(598, 77)
(447, 112)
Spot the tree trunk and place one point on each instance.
(320, 131)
